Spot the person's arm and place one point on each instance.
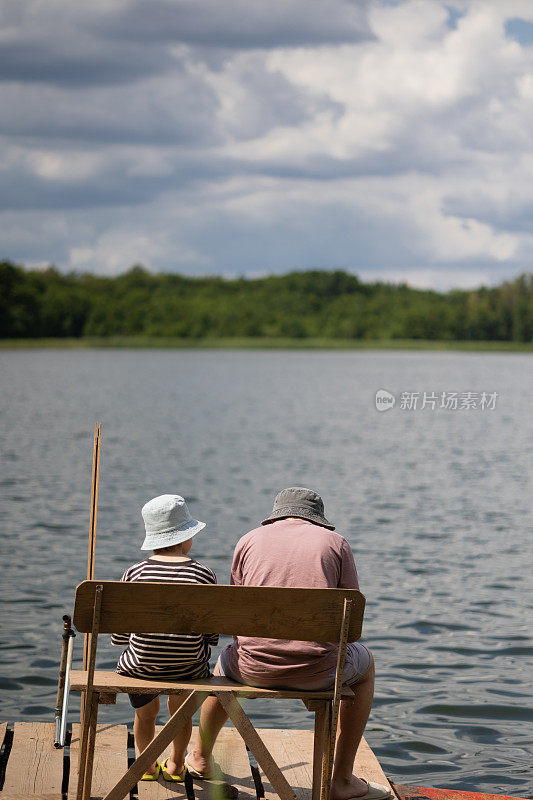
(121, 639)
(211, 638)
(348, 574)
(348, 577)
(236, 570)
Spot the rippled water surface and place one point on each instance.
(436, 505)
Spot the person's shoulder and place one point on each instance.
(202, 570)
(250, 536)
(336, 539)
(132, 572)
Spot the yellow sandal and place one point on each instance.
(152, 776)
(167, 775)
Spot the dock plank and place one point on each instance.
(368, 767)
(16, 796)
(229, 752)
(161, 790)
(293, 752)
(35, 766)
(110, 758)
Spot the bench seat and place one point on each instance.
(109, 682)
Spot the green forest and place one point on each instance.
(298, 305)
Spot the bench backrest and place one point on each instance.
(264, 611)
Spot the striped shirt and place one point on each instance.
(166, 655)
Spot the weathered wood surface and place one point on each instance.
(110, 758)
(367, 766)
(257, 746)
(34, 767)
(266, 611)
(108, 681)
(293, 752)
(161, 790)
(17, 796)
(191, 703)
(320, 745)
(230, 753)
(89, 706)
(327, 761)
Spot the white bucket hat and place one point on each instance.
(167, 521)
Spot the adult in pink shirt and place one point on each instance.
(296, 546)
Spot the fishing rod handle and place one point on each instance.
(64, 710)
(67, 636)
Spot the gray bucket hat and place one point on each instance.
(167, 521)
(299, 502)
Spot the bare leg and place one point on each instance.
(144, 727)
(212, 719)
(176, 759)
(352, 721)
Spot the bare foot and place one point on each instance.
(199, 763)
(206, 766)
(344, 790)
(172, 767)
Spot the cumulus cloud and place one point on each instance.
(238, 24)
(52, 43)
(389, 139)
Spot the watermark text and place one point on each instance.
(433, 400)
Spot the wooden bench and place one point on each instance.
(318, 615)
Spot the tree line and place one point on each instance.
(315, 303)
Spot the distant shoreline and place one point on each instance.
(264, 343)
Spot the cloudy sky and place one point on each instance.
(393, 139)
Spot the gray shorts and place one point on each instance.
(356, 665)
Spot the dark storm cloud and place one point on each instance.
(26, 191)
(239, 24)
(69, 45)
(111, 185)
(171, 110)
(74, 63)
(51, 43)
(180, 108)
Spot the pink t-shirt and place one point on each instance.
(289, 552)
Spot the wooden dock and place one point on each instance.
(30, 766)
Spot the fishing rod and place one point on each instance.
(92, 525)
(68, 632)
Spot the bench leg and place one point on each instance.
(320, 746)
(89, 759)
(192, 702)
(326, 766)
(256, 745)
(87, 732)
(82, 755)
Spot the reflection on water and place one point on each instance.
(436, 505)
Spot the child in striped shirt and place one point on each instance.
(169, 532)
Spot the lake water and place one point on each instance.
(436, 504)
